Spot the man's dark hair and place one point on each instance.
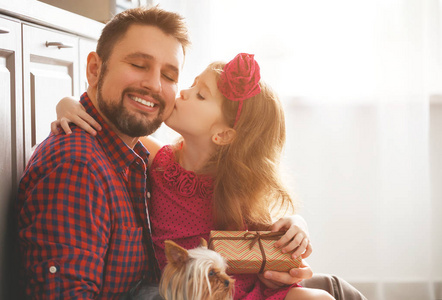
(169, 22)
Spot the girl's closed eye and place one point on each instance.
(200, 97)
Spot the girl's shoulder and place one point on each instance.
(153, 146)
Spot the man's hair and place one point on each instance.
(170, 23)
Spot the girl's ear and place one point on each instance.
(93, 69)
(224, 137)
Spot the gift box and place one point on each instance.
(251, 251)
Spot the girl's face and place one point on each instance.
(197, 111)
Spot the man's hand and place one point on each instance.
(275, 280)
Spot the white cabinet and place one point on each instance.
(38, 66)
(50, 72)
(11, 137)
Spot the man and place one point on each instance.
(83, 230)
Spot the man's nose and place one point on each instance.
(152, 81)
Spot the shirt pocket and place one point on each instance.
(44, 278)
(126, 262)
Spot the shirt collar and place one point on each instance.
(120, 155)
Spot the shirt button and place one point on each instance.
(148, 195)
(53, 269)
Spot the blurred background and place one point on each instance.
(361, 82)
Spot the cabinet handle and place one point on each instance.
(59, 45)
(4, 30)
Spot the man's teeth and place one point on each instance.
(142, 101)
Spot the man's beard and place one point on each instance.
(131, 124)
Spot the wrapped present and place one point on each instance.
(251, 251)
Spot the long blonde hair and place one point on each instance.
(248, 183)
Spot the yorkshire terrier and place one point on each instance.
(196, 274)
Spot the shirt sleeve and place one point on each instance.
(63, 233)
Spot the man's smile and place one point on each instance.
(142, 101)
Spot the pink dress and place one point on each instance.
(181, 210)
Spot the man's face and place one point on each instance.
(138, 83)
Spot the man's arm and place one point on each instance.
(63, 229)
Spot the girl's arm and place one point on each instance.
(69, 110)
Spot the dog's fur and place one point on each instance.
(196, 274)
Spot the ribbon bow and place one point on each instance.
(240, 80)
(257, 237)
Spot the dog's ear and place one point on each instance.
(175, 254)
(203, 243)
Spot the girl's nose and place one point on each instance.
(184, 94)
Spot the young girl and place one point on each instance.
(223, 172)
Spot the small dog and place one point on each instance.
(196, 274)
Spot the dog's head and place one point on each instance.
(198, 273)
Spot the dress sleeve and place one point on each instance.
(63, 233)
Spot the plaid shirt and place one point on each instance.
(83, 227)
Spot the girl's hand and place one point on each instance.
(276, 280)
(296, 236)
(69, 110)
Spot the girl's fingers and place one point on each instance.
(91, 121)
(295, 243)
(300, 249)
(54, 127)
(278, 225)
(308, 251)
(64, 123)
(84, 125)
(288, 236)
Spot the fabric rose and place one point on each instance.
(240, 77)
(172, 172)
(206, 189)
(187, 184)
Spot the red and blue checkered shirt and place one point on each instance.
(82, 204)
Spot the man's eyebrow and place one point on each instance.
(138, 55)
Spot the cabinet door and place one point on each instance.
(50, 72)
(11, 144)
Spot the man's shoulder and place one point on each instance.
(78, 146)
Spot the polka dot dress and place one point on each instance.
(181, 210)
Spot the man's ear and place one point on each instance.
(93, 69)
(224, 137)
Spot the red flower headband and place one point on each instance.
(240, 80)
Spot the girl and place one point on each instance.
(223, 172)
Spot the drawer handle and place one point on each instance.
(59, 45)
(3, 30)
